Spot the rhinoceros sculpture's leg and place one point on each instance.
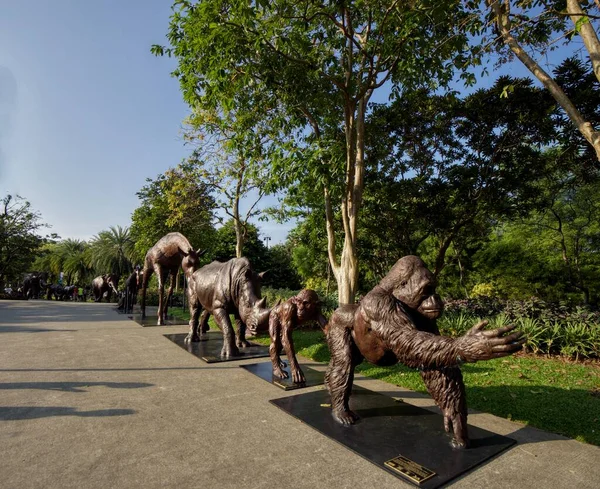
(229, 348)
(194, 305)
(240, 332)
(204, 327)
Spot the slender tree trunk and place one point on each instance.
(504, 24)
(587, 33)
(239, 234)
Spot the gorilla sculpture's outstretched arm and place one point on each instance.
(388, 318)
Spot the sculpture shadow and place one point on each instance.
(19, 329)
(71, 386)
(15, 413)
(44, 311)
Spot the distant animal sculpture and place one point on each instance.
(227, 288)
(68, 292)
(104, 283)
(164, 259)
(34, 284)
(283, 319)
(55, 291)
(396, 322)
(132, 285)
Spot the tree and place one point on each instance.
(19, 238)
(224, 246)
(316, 66)
(231, 163)
(525, 26)
(70, 256)
(553, 253)
(176, 201)
(439, 167)
(112, 251)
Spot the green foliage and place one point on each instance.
(483, 289)
(222, 247)
(19, 239)
(282, 273)
(71, 256)
(552, 253)
(112, 251)
(571, 337)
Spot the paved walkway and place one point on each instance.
(89, 399)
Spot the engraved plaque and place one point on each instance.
(411, 470)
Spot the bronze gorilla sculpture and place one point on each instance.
(227, 288)
(305, 306)
(165, 258)
(396, 322)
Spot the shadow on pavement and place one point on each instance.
(33, 412)
(19, 329)
(71, 386)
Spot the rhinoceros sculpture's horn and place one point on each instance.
(261, 304)
(263, 319)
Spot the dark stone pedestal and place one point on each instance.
(265, 371)
(210, 350)
(389, 429)
(152, 320)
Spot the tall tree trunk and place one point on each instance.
(501, 17)
(587, 33)
(239, 234)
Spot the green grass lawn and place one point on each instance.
(547, 393)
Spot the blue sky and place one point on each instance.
(87, 113)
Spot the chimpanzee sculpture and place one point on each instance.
(227, 288)
(102, 284)
(165, 258)
(396, 322)
(283, 319)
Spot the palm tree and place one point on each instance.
(112, 251)
(68, 256)
(75, 261)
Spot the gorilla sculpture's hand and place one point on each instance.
(478, 344)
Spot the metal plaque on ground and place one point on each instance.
(152, 320)
(265, 371)
(210, 350)
(407, 441)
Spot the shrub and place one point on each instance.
(484, 289)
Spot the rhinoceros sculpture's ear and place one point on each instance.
(262, 304)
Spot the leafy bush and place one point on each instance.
(573, 338)
(533, 308)
(483, 290)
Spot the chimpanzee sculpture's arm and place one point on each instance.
(395, 322)
(283, 319)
